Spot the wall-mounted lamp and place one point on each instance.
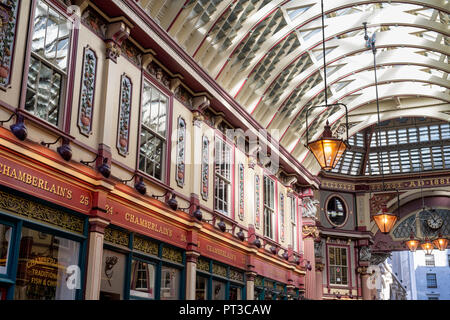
(197, 213)
(139, 185)
(64, 149)
(104, 168)
(18, 128)
(171, 202)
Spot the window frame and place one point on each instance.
(347, 266)
(430, 260)
(67, 88)
(430, 280)
(293, 222)
(231, 182)
(273, 211)
(166, 156)
(347, 212)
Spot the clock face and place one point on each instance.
(435, 222)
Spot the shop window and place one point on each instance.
(336, 211)
(235, 293)
(222, 183)
(201, 288)
(338, 265)
(269, 207)
(218, 289)
(5, 243)
(142, 280)
(153, 131)
(170, 283)
(113, 275)
(48, 69)
(43, 261)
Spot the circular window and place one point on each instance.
(336, 211)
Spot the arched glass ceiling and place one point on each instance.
(406, 145)
(268, 55)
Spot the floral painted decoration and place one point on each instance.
(205, 169)
(241, 192)
(123, 131)
(282, 216)
(86, 108)
(181, 148)
(257, 201)
(8, 27)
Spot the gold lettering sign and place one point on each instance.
(221, 252)
(148, 224)
(34, 181)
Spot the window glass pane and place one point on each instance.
(40, 24)
(201, 288)
(5, 243)
(113, 275)
(218, 290)
(235, 293)
(142, 279)
(170, 283)
(43, 261)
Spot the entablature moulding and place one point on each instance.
(80, 189)
(392, 182)
(187, 80)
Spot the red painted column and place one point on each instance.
(310, 233)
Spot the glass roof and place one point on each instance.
(267, 54)
(404, 145)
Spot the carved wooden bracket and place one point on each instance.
(116, 33)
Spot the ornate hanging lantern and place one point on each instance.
(385, 220)
(441, 243)
(412, 243)
(427, 246)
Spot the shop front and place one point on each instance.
(42, 249)
(135, 267)
(216, 281)
(220, 271)
(43, 233)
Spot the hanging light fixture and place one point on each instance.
(412, 243)
(384, 219)
(441, 243)
(427, 246)
(327, 150)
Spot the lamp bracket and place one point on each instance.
(326, 106)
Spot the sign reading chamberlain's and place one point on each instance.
(124, 216)
(30, 180)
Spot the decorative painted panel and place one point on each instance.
(203, 265)
(39, 212)
(117, 236)
(131, 52)
(205, 168)
(172, 254)
(236, 275)
(257, 201)
(86, 107)
(123, 131)
(241, 191)
(181, 148)
(145, 245)
(219, 270)
(8, 27)
(282, 216)
(95, 22)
